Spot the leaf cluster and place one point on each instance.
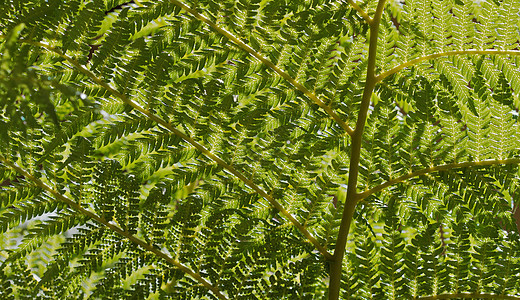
(204, 149)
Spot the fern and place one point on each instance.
(248, 149)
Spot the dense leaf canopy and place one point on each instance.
(259, 149)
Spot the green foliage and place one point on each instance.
(232, 149)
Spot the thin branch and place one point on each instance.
(191, 141)
(268, 63)
(360, 11)
(449, 53)
(468, 296)
(336, 266)
(391, 182)
(76, 206)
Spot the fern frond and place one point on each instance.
(203, 149)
